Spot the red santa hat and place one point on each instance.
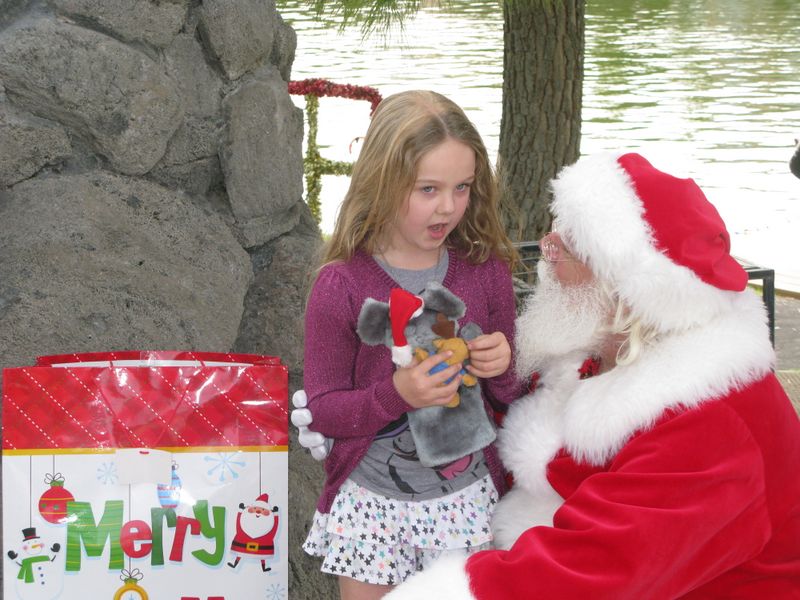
(403, 306)
(262, 501)
(655, 238)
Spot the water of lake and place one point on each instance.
(708, 89)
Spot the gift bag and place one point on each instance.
(137, 475)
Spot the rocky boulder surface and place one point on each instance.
(151, 192)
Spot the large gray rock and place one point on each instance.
(197, 177)
(283, 48)
(12, 9)
(191, 161)
(272, 322)
(148, 21)
(112, 94)
(102, 262)
(261, 157)
(27, 144)
(238, 34)
(199, 85)
(94, 260)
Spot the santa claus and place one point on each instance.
(256, 527)
(669, 469)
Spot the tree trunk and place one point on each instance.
(542, 99)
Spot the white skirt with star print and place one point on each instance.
(375, 539)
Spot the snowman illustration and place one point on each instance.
(37, 579)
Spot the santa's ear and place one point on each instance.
(373, 323)
(439, 298)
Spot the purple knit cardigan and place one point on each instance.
(349, 384)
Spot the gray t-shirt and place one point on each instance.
(391, 467)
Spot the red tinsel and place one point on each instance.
(533, 382)
(590, 367)
(323, 87)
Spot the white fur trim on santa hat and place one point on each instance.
(445, 579)
(597, 211)
(261, 501)
(401, 355)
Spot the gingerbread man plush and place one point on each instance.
(460, 354)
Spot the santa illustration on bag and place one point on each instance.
(256, 527)
(37, 579)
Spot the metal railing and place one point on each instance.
(530, 253)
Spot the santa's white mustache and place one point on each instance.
(558, 320)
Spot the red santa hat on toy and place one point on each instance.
(403, 306)
(655, 238)
(262, 501)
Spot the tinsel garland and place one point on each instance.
(314, 165)
(323, 87)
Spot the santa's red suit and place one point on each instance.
(675, 476)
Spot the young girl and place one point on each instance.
(421, 207)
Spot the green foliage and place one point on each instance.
(314, 165)
(371, 15)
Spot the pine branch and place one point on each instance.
(373, 16)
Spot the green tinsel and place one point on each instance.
(316, 166)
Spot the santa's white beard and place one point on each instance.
(559, 320)
(256, 526)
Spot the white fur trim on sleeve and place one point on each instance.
(446, 579)
(520, 510)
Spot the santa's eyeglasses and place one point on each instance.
(553, 248)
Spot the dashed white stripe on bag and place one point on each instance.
(241, 412)
(152, 410)
(196, 408)
(63, 408)
(96, 397)
(30, 420)
(264, 392)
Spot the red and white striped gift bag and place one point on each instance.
(141, 475)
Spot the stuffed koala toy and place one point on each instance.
(409, 324)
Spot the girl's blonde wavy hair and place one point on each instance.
(404, 127)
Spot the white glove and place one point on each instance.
(316, 443)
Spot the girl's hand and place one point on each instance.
(489, 355)
(420, 389)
